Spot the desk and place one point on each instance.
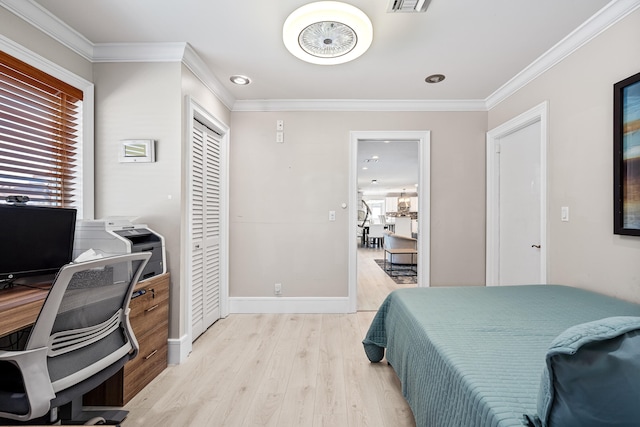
(20, 306)
(149, 317)
(399, 251)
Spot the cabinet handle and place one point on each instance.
(153, 307)
(153, 353)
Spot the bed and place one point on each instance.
(495, 356)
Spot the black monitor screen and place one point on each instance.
(35, 240)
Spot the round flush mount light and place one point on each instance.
(240, 80)
(434, 78)
(327, 33)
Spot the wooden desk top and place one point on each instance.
(20, 306)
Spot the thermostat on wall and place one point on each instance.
(137, 150)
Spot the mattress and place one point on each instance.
(474, 356)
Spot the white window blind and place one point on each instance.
(40, 131)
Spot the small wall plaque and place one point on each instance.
(137, 151)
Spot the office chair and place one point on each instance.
(81, 337)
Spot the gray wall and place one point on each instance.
(280, 195)
(584, 252)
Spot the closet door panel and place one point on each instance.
(205, 228)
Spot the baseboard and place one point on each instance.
(178, 349)
(299, 305)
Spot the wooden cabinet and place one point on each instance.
(149, 317)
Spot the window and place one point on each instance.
(377, 208)
(40, 135)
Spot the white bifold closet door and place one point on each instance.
(205, 228)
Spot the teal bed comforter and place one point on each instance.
(474, 356)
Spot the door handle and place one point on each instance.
(535, 246)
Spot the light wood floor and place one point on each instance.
(373, 284)
(281, 370)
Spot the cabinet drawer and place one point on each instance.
(143, 321)
(149, 308)
(149, 318)
(150, 361)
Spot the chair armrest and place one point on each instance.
(35, 375)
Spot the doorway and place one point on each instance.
(516, 200)
(422, 139)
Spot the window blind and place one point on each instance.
(40, 131)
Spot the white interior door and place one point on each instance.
(520, 201)
(205, 228)
(516, 200)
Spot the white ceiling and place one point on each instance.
(478, 45)
(396, 168)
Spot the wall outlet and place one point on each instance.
(277, 289)
(279, 124)
(279, 136)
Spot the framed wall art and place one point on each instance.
(626, 156)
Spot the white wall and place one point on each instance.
(280, 196)
(147, 101)
(142, 101)
(584, 252)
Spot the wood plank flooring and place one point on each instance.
(282, 370)
(373, 284)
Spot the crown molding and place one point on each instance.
(594, 26)
(194, 62)
(42, 19)
(358, 105)
(138, 52)
(49, 24)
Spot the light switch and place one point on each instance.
(564, 213)
(279, 124)
(332, 215)
(279, 136)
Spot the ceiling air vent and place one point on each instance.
(408, 6)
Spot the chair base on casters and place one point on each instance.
(74, 414)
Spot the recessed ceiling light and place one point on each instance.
(327, 33)
(375, 157)
(240, 80)
(364, 168)
(374, 181)
(434, 78)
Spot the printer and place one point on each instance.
(117, 236)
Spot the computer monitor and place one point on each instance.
(35, 240)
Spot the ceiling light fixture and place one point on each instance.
(240, 80)
(327, 33)
(435, 78)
